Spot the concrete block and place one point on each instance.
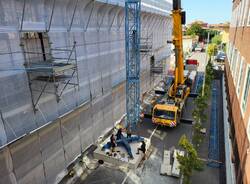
(169, 170)
(166, 157)
(166, 169)
(176, 164)
(175, 169)
(26, 155)
(163, 170)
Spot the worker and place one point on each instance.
(119, 134)
(142, 148)
(129, 134)
(113, 142)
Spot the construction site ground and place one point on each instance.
(161, 138)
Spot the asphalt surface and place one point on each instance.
(161, 138)
(201, 57)
(149, 171)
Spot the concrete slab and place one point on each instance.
(166, 169)
(166, 157)
(120, 157)
(176, 164)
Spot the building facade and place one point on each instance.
(238, 83)
(62, 78)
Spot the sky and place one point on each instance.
(210, 11)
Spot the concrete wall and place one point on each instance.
(38, 146)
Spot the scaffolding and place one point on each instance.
(157, 69)
(146, 45)
(53, 74)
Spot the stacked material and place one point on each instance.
(167, 168)
(176, 164)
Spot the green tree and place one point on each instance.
(189, 161)
(195, 29)
(197, 137)
(217, 39)
(199, 113)
(211, 50)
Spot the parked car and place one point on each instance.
(220, 57)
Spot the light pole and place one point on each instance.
(203, 86)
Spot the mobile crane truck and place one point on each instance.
(169, 111)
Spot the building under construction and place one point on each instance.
(62, 78)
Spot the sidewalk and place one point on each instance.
(211, 175)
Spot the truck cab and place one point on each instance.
(165, 114)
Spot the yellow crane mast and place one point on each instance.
(169, 113)
(178, 17)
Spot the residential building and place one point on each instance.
(238, 83)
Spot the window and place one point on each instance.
(242, 12)
(234, 57)
(248, 21)
(231, 57)
(239, 14)
(164, 114)
(236, 67)
(230, 54)
(246, 89)
(248, 129)
(36, 46)
(246, 11)
(229, 51)
(240, 77)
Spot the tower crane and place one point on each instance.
(132, 41)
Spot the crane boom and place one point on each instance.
(178, 19)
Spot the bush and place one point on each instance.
(217, 39)
(189, 161)
(212, 50)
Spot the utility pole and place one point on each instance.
(208, 40)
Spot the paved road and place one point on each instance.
(201, 57)
(163, 138)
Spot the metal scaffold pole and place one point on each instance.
(132, 39)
